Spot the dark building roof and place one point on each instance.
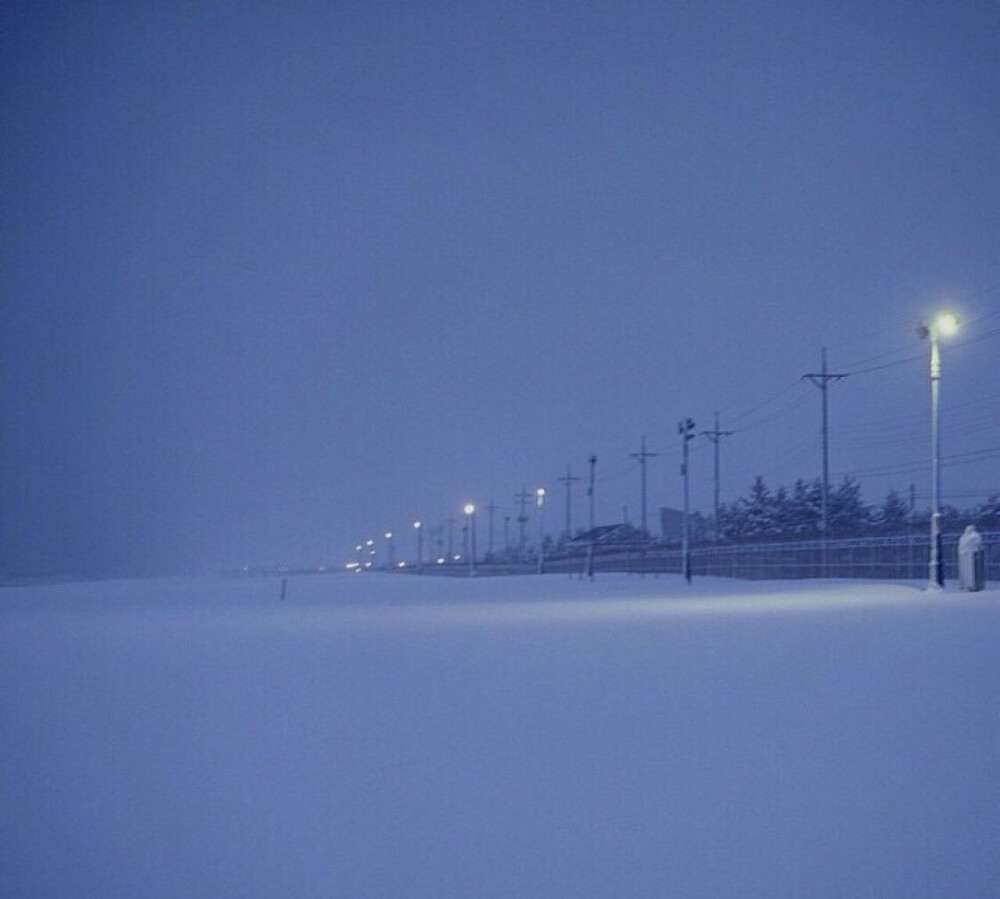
(608, 535)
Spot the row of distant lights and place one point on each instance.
(370, 544)
(469, 509)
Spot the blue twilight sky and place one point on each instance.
(277, 277)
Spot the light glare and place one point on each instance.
(946, 324)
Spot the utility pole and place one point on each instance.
(491, 507)
(568, 481)
(522, 520)
(540, 503)
(685, 429)
(821, 380)
(715, 435)
(590, 490)
(642, 456)
(451, 544)
(439, 533)
(589, 569)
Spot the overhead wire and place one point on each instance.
(854, 433)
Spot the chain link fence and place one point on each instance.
(894, 558)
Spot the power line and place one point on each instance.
(920, 464)
(737, 418)
(801, 401)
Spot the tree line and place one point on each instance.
(764, 513)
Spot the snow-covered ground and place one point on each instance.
(393, 736)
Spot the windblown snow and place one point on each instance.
(395, 736)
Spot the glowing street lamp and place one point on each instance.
(418, 527)
(388, 537)
(470, 512)
(944, 324)
(540, 503)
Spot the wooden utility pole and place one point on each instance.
(522, 520)
(491, 507)
(715, 435)
(642, 456)
(590, 490)
(568, 480)
(821, 379)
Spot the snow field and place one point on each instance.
(394, 736)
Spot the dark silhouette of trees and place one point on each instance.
(782, 513)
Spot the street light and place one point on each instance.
(470, 511)
(388, 537)
(540, 502)
(944, 324)
(686, 428)
(417, 526)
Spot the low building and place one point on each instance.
(606, 535)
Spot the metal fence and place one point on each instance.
(896, 558)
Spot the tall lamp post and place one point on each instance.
(470, 512)
(686, 429)
(540, 503)
(419, 528)
(388, 537)
(944, 324)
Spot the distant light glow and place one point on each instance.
(456, 558)
(469, 509)
(440, 560)
(388, 535)
(540, 497)
(417, 525)
(401, 565)
(946, 324)
(350, 566)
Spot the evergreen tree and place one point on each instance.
(805, 506)
(758, 509)
(846, 512)
(988, 514)
(731, 522)
(893, 516)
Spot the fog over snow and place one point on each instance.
(395, 736)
